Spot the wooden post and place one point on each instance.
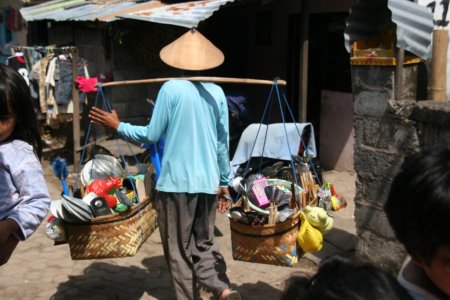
(438, 87)
(304, 61)
(76, 111)
(398, 84)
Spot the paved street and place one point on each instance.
(40, 270)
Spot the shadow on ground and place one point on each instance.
(103, 280)
(337, 241)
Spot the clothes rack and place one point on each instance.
(73, 51)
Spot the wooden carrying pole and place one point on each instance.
(438, 87)
(197, 78)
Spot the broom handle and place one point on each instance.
(65, 188)
(197, 78)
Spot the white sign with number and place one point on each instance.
(439, 8)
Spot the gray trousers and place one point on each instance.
(186, 224)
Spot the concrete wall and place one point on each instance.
(386, 130)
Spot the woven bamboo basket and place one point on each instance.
(267, 244)
(111, 236)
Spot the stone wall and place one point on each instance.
(387, 130)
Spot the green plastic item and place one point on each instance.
(120, 208)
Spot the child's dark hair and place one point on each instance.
(349, 278)
(418, 206)
(15, 92)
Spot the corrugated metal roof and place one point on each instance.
(187, 14)
(414, 27)
(183, 14)
(414, 24)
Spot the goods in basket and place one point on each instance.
(337, 203)
(238, 184)
(101, 197)
(71, 209)
(279, 195)
(110, 217)
(318, 218)
(133, 184)
(114, 235)
(310, 188)
(101, 167)
(281, 201)
(123, 198)
(309, 238)
(55, 229)
(100, 207)
(329, 199)
(307, 175)
(257, 193)
(102, 187)
(105, 189)
(271, 235)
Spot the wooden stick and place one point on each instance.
(293, 200)
(304, 202)
(303, 181)
(197, 78)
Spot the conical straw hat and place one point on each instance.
(192, 51)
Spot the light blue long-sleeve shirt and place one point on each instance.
(23, 192)
(193, 119)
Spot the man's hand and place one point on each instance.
(107, 119)
(224, 200)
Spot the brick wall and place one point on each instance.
(386, 130)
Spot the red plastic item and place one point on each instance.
(101, 188)
(87, 85)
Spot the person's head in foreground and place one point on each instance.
(348, 278)
(418, 209)
(17, 116)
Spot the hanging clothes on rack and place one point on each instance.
(17, 62)
(38, 74)
(63, 78)
(50, 71)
